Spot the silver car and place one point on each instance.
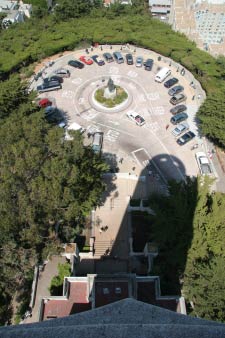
(180, 128)
(139, 61)
(62, 72)
(175, 90)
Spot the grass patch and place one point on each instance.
(121, 96)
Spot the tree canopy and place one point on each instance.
(190, 230)
(48, 185)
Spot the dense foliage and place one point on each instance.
(190, 231)
(48, 186)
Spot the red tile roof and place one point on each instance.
(77, 302)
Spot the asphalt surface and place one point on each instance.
(151, 143)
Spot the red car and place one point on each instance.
(43, 103)
(86, 60)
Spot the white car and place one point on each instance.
(203, 163)
(180, 128)
(138, 119)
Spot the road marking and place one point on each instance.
(132, 86)
(132, 74)
(120, 131)
(93, 129)
(89, 115)
(67, 94)
(153, 96)
(77, 81)
(116, 78)
(113, 70)
(111, 135)
(81, 100)
(159, 110)
(141, 98)
(154, 126)
(115, 123)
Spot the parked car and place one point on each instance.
(138, 119)
(62, 72)
(139, 61)
(148, 64)
(43, 103)
(129, 59)
(108, 57)
(185, 138)
(180, 129)
(118, 57)
(175, 90)
(86, 60)
(97, 142)
(178, 98)
(203, 163)
(53, 78)
(54, 115)
(48, 86)
(76, 64)
(179, 118)
(178, 109)
(96, 59)
(171, 82)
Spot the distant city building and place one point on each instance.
(160, 6)
(211, 26)
(15, 12)
(203, 22)
(107, 3)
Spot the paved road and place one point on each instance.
(121, 136)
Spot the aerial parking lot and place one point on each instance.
(139, 130)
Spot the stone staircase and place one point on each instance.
(103, 248)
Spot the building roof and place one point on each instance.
(107, 292)
(160, 3)
(160, 10)
(83, 293)
(75, 301)
(126, 318)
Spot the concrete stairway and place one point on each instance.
(103, 248)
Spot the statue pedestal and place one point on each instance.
(109, 94)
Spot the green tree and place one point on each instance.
(56, 286)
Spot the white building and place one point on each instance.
(15, 12)
(160, 6)
(210, 26)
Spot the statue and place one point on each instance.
(111, 85)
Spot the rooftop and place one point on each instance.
(126, 318)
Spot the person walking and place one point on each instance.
(167, 126)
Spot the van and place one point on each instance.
(162, 74)
(48, 86)
(118, 57)
(97, 142)
(179, 118)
